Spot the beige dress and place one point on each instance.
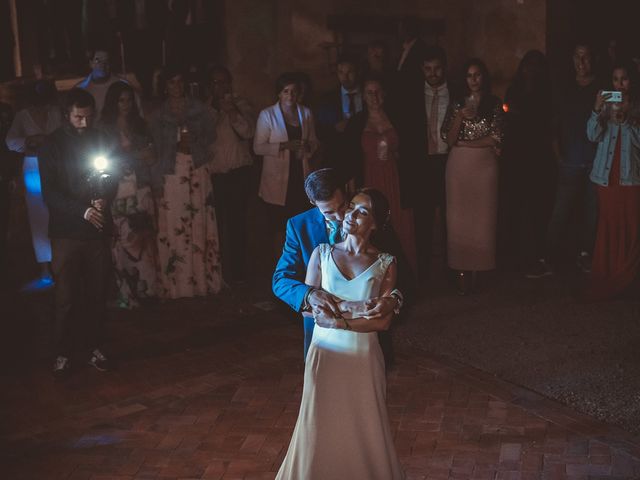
(343, 429)
(472, 194)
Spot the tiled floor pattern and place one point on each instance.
(226, 410)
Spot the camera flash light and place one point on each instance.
(100, 163)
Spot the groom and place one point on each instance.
(321, 224)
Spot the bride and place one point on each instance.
(343, 428)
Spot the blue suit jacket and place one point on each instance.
(304, 233)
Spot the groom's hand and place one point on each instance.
(379, 307)
(322, 301)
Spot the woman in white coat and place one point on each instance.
(286, 138)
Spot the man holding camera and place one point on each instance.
(76, 187)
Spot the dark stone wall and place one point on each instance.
(265, 38)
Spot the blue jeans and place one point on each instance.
(575, 197)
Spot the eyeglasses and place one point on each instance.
(100, 61)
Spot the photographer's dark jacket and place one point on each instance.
(69, 182)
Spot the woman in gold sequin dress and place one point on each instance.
(472, 128)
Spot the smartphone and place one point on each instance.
(615, 97)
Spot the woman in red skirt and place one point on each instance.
(615, 125)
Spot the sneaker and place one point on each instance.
(99, 361)
(540, 269)
(61, 367)
(583, 262)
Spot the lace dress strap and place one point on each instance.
(324, 249)
(386, 259)
(324, 254)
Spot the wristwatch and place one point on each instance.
(305, 301)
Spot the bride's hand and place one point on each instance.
(327, 319)
(379, 307)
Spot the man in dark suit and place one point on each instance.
(430, 152)
(335, 110)
(321, 224)
(73, 162)
(403, 100)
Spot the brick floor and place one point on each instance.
(207, 389)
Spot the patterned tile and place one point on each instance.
(226, 409)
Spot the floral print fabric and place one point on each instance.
(134, 249)
(187, 233)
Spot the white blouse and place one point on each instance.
(24, 126)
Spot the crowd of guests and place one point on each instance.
(168, 204)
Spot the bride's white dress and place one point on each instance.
(343, 431)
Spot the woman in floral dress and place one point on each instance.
(134, 249)
(183, 132)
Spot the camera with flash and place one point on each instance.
(100, 176)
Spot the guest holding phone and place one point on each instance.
(615, 125)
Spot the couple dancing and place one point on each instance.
(333, 272)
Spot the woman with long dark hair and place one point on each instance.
(615, 125)
(372, 150)
(473, 130)
(343, 428)
(527, 172)
(134, 249)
